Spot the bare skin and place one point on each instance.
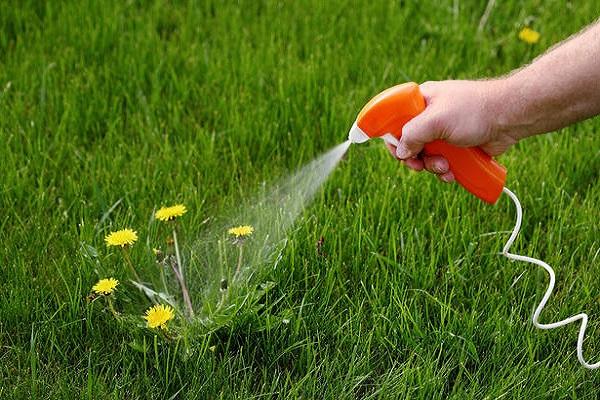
(557, 89)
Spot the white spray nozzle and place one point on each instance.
(356, 135)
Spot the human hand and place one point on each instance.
(463, 113)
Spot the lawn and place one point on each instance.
(388, 285)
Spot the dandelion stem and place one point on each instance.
(224, 290)
(178, 269)
(177, 255)
(129, 263)
(222, 300)
(111, 306)
(239, 264)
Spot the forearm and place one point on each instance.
(557, 89)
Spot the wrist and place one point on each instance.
(506, 107)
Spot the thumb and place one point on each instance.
(422, 129)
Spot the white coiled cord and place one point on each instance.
(582, 316)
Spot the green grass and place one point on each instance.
(150, 103)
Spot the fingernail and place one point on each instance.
(447, 177)
(441, 166)
(402, 152)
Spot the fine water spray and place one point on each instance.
(384, 117)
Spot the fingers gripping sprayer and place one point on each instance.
(385, 115)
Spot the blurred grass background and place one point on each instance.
(155, 102)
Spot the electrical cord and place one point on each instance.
(582, 316)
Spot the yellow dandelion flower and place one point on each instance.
(170, 213)
(105, 286)
(241, 231)
(530, 36)
(157, 316)
(122, 238)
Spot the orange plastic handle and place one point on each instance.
(473, 169)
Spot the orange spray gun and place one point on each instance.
(385, 115)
